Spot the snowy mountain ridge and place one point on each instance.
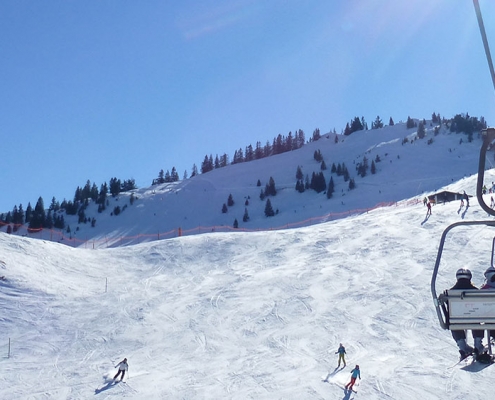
(405, 167)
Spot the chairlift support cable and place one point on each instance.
(485, 40)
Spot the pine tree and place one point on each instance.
(391, 122)
(249, 154)
(103, 195)
(174, 176)
(230, 201)
(94, 193)
(270, 189)
(194, 171)
(357, 124)
(410, 123)
(114, 187)
(377, 124)
(29, 213)
(207, 164)
(301, 139)
(421, 130)
(320, 184)
(347, 130)
(373, 167)
(299, 173)
(300, 186)
(161, 177)
(86, 191)
(345, 173)
(307, 185)
(317, 155)
(269, 209)
(38, 219)
(81, 215)
(236, 224)
(330, 188)
(245, 217)
(224, 208)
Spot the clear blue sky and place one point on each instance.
(101, 89)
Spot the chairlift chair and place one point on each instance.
(468, 309)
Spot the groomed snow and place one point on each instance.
(244, 315)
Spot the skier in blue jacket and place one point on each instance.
(355, 373)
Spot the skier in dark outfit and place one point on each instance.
(341, 352)
(428, 212)
(463, 277)
(123, 366)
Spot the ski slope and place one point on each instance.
(243, 315)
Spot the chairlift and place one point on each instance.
(468, 309)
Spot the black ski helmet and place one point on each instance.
(463, 273)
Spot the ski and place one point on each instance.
(471, 361)
(469, 357)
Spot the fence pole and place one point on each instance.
(106, 284)
(8, 356)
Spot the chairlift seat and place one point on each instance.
(470, 309)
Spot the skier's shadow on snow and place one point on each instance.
(465, 211)
(332, 373)
(426, 219)
(109, 385)
(347, 394)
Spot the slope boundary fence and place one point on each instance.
(60, 236)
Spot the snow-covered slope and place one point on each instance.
(405, 170)
(243, 315)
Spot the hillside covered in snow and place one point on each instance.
(244, 315)
(405, 167)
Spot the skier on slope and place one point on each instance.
(341, 352)
(463, 276)
(123, 366)
(428, 212)
(355, 373)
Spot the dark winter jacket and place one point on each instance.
(464, 283)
